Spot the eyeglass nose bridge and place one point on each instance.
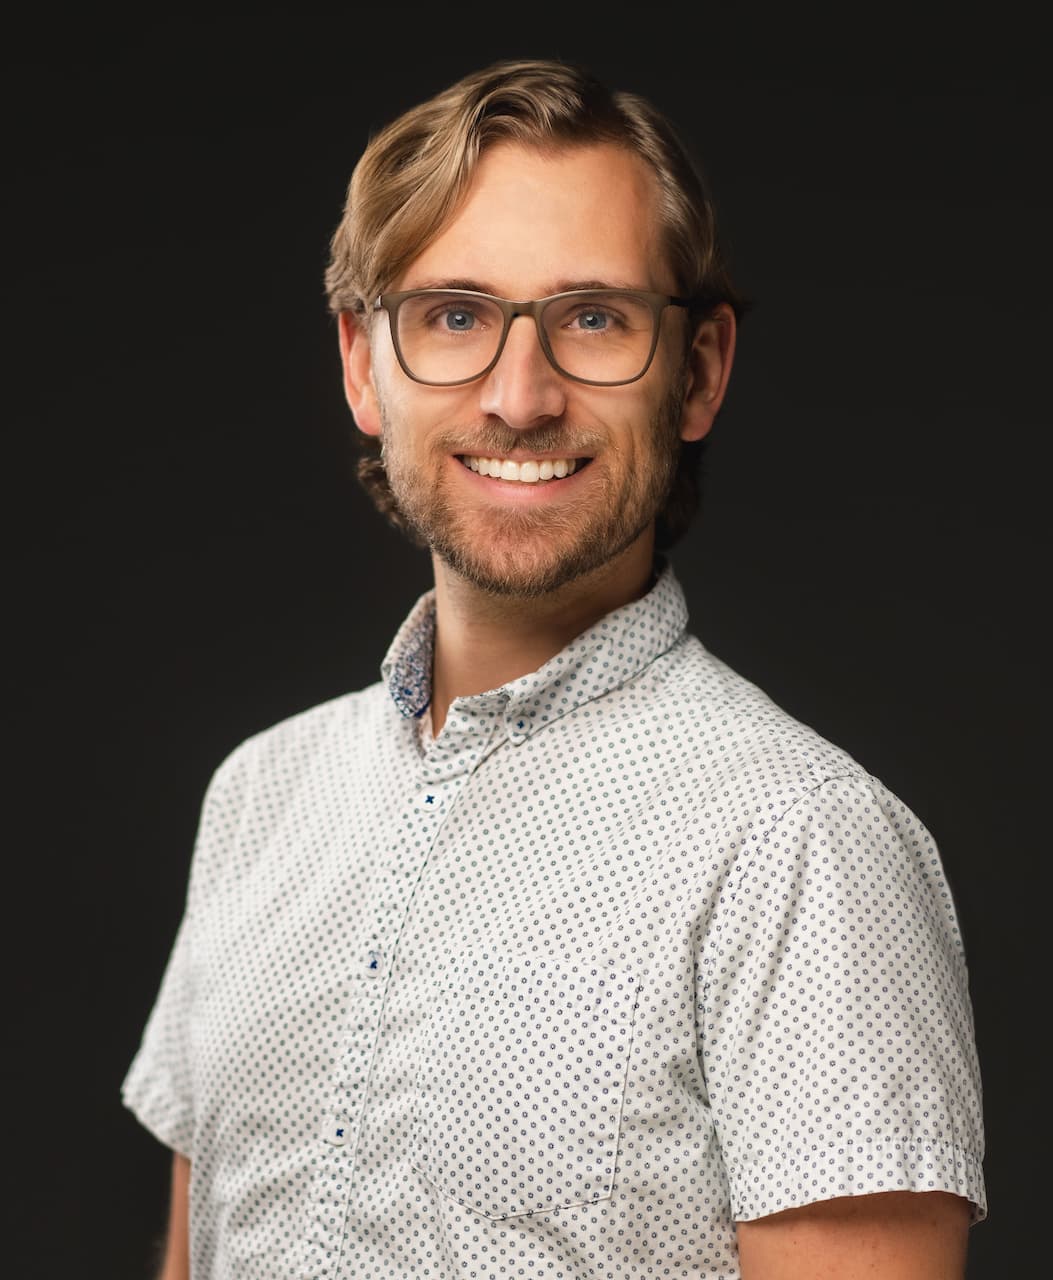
(512, 311)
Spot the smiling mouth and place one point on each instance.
(531, 471)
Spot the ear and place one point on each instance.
(357, 360)
(709, 367)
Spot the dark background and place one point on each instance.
(190, 558)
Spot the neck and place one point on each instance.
(483, 640)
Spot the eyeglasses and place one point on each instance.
(605, 337)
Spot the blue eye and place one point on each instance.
(459, 320)
(593, 319)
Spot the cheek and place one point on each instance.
(429, 417)
(644, 433)
(390, 389)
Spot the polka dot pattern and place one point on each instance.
(623, 955)
(532, 1058)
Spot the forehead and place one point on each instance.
(536, 221)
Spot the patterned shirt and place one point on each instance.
(623, 955)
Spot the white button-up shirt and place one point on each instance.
(623, 955)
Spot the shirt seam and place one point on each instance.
(756, 853)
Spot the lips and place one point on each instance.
(529, 471)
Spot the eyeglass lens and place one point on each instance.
(450, 337)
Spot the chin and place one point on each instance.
(529, 565)
(513, 574)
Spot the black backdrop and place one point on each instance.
(190, 559)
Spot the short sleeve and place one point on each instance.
(158, 1087)
(836, 1027)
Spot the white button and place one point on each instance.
(336, 1131)
(430, 800)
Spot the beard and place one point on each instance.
(526, 553)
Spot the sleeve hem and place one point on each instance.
(858, 1166)
(156, 1109)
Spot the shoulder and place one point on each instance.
(734, 731)
(255, 784)
(745, 767)
(321, 734)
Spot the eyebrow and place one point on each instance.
(460, 285)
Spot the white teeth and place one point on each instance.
(529, 472)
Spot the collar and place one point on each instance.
(608, 654)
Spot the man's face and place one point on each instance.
(536, 224)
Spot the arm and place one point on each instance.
(892, 1235)
(176, 1264)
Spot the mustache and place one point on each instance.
(496, 439)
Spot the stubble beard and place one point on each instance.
(527, 553)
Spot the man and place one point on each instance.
(561, 950)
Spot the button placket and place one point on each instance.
(349, 1098)
(335, 1172)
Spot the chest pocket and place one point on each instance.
(520, 1083)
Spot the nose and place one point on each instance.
(523, 389)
